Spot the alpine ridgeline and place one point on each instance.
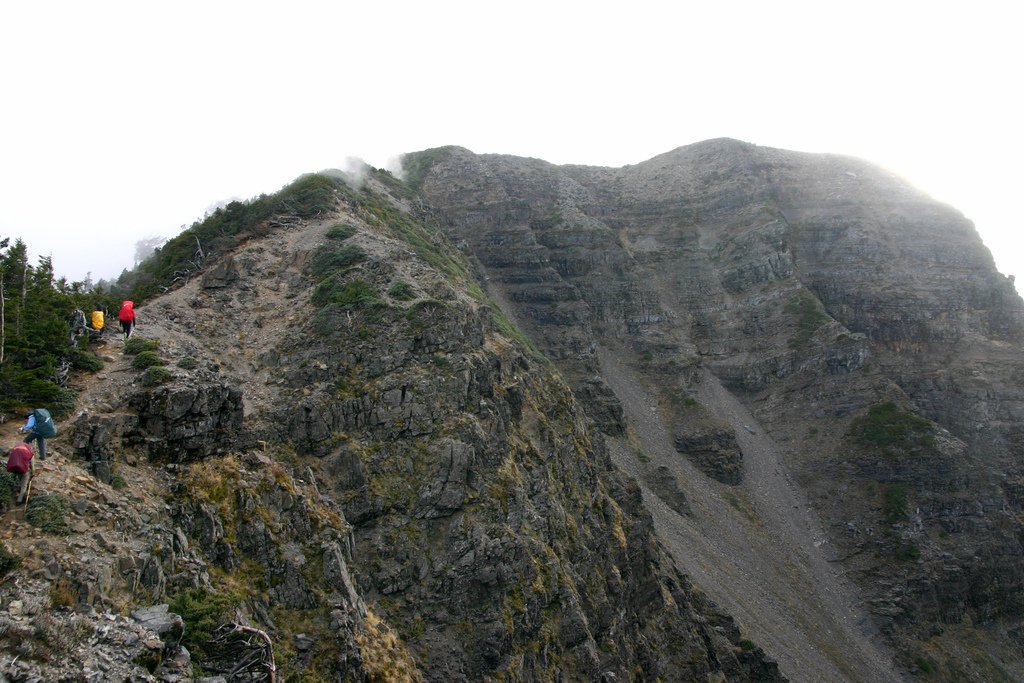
(505, 420)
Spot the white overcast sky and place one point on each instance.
(122, 120)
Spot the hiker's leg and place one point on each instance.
(42, 443)
(25, 479)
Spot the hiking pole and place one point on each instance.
(31, 476)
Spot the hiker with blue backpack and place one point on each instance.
(40, 427)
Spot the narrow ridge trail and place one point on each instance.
(755, 548)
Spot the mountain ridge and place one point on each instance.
(767, 381)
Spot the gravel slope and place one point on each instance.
(755, 548)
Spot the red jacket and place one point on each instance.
(127, 313)
(20, 458)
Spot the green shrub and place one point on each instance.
(401, 290)
(341, 231)
(156, 374)
(337, 317)
(117, 482)
(62, 402)
(348, 295)
(810, 317)
(146, 359)
(331, 261)
(908, 553)
(416, 164)
(86, 360)
(887, 426)
(139, 344)
(747, 645)
(203, 612)
(188, 363)
(49, 512)
(10, 486)
(925, 664)
(8, 560)
(894, 503)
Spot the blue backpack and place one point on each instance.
(44, 423)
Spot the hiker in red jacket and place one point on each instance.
(127, 318)
(19, 461)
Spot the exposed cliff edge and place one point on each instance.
(345, 463)
(815, 306)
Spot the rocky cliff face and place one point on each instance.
(812, 289)
(353, 467)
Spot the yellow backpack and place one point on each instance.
(97, 320)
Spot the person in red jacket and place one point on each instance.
(127, 318)
(19, 461)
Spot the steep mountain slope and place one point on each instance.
(351, 453)
(753, 329)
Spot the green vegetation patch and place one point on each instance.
(888, 427)
(137, 345)
(49, 512)
(10, 485)
(341, 231)
(809, 316)
(925, 664)
(86, 360)
(350, 295)
(146, 359)
(335, 261)
(428, 243)
(8, 560)
(505, 327)
(894, 503)
(203, 612)
(908, 552)
(401, 290)
(156, 374)
(188, 363)
(417, 164)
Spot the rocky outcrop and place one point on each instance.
(175, 423)
(664, 485)
(712, 447)
(181, 423)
